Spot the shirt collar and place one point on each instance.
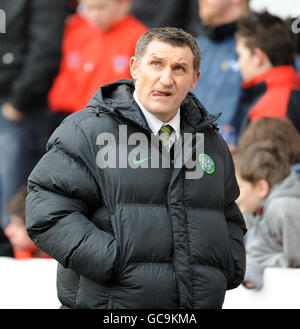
(154, 123)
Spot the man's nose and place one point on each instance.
(166, 78)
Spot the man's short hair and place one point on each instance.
(173, 36)
(262, 160)
(269, 33)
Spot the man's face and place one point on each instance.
(211, 11)
(163, 77)
(247, 60)
(103, 13)
(250, 196)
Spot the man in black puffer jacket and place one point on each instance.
(127, 231)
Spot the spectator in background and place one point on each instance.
(270, 201)
(265, 45)
(29, 60)
(160, 13)
(281, 132)
(98, 42)
(23, 246)
(220, 83)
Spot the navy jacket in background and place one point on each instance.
(219, 86)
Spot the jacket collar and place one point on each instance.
(194, 116)
(279, 75)
(117, 98)
(219, 33)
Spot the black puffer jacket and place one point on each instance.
(135, 238)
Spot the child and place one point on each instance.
(23, 246)
(281, 132)
(266, 50)
(98, 42)
(270, 200)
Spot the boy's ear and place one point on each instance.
(126, 6)
(261, 57)
(263, 188)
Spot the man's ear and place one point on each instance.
(133, 67)
(196, 77)
(263, 188)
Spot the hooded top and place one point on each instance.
(128, 234)
(273, 234)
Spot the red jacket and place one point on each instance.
(90, 59)
(274, 93)
(33, 252)
(279, 81)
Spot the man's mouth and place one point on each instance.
(161, 93)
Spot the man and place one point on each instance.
(99, 40)
(160, 13)
(129, 233)
(220, 84)
(30, 52)
(271, 86)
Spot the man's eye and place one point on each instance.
(155, 63)
(179, 68)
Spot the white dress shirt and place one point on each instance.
(155, 124)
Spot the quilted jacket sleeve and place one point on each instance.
(235, 224)
(62, 194)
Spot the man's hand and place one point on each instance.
(11, 113)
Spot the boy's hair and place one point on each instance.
(270, 34)
(16, 205)
(262, 160)
(280, 131)
(173, 36)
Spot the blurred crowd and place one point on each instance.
(56, 54)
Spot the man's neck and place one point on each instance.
(154, 122)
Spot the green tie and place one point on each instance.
(164, 135)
